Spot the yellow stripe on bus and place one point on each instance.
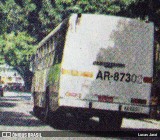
(77, 73)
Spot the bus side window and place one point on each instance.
(56, 54)
(52, 57)
(42, 51)
(36, 61)
(47, 61)
(48, 46)
(52, 47)
(42, 63)
(45, 48)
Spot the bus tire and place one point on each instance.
(111, 122)
(81, 118)
(45, 112)
(36, 111)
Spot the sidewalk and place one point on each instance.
(153, 121)
(25, 96)
(142, 124)
(17, 93)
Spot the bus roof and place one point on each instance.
(51, 34)
(42, 42)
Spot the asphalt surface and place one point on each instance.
(16, 115)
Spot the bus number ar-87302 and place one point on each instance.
(120, 76)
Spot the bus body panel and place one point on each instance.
(47, 66)
(107, 63)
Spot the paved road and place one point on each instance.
(16, 115)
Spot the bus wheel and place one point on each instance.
(81, 118)
(36, 111)
(111, 122)
(45, 113)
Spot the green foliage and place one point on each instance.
(17, 47)
(54, 73)
(38, 18)
(26, 22)
(128, 2)
(14, 17)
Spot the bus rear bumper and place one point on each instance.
(103, 107)
(87, 104)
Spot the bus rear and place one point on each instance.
(107, 64)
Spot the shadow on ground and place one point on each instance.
(18, 119)
(93, 128)
(15, 98)
(14, 117)
(10, 99)
(6, 104)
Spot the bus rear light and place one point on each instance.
(66, 71)
(87, 74)
(147, 79)
(77, 73)
(74, 73)
(103, 98)
(69, 94)
(138, 101)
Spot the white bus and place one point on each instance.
(96, 65)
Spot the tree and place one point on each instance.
(24, 23)
(17, 49)
(48, 14)
(15, 43)
(14, 16)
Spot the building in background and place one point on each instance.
(10, 79)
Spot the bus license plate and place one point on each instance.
(131, 108)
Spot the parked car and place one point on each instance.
(1, 91)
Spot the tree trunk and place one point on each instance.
(28, 80)
(26, 75)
